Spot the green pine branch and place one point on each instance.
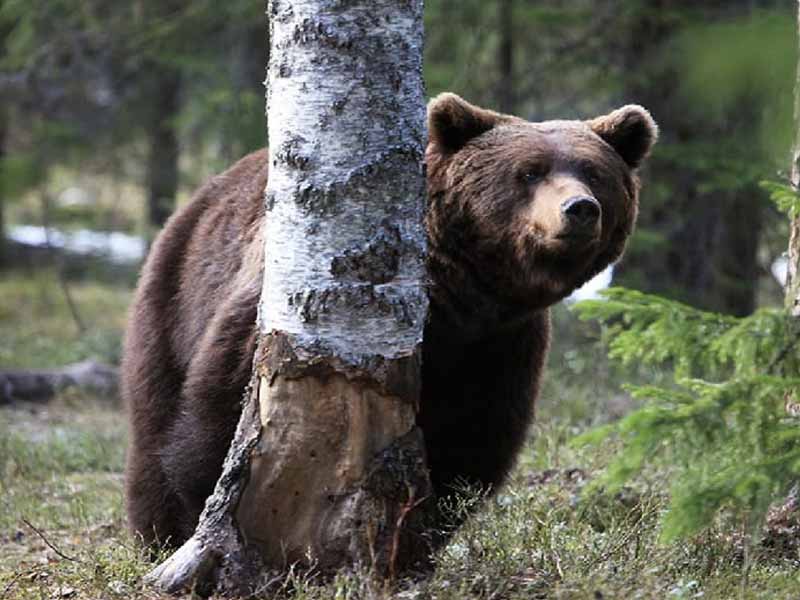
(722, 429)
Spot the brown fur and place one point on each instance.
(498, 257)
(188, 349)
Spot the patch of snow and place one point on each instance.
(116, 246)
(592, 288)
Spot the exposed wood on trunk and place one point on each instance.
(343, 305)
(327, 467)
(338, 460)
(40, 385)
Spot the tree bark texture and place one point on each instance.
(793, 272)
(327, 468)
(343, 303)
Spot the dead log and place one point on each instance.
(41, 385)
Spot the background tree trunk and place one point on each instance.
(3, 199)
(162, 161)
(328, 466)
(706, 251)
(506, 86)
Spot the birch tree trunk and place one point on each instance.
(327, 466)
(793, 271)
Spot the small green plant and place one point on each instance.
(785, 197)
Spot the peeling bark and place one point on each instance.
(327, 468)
(343, 303)
(338, 460)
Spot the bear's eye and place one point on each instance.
(535, 174)
(591, 173)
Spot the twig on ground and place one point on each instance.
(12, 583)
(407, 507)
(49, 543)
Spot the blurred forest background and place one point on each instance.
(112, 113)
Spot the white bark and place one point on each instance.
(345, 196)
(793, 270)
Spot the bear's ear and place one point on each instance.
(630, 130)
(452, 121)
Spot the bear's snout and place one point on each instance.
(581, 215)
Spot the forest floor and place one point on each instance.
(62, 523)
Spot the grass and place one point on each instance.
(37, 328)
(61, 511)
(62, 527)
(537, 539)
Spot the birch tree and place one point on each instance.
(327, 465)
(793, 271)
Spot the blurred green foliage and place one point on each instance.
(715, 75)
(80, 77)
(729, 66)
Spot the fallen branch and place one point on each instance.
(40, 385)
(50, 544)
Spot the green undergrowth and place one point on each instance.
(722, 424)
(62, 530)
(38, 329)
(61, 512)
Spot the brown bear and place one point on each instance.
(519, 215)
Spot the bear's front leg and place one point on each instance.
(477, 401)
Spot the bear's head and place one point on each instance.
(520, 213)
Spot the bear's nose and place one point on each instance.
(581, 211)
